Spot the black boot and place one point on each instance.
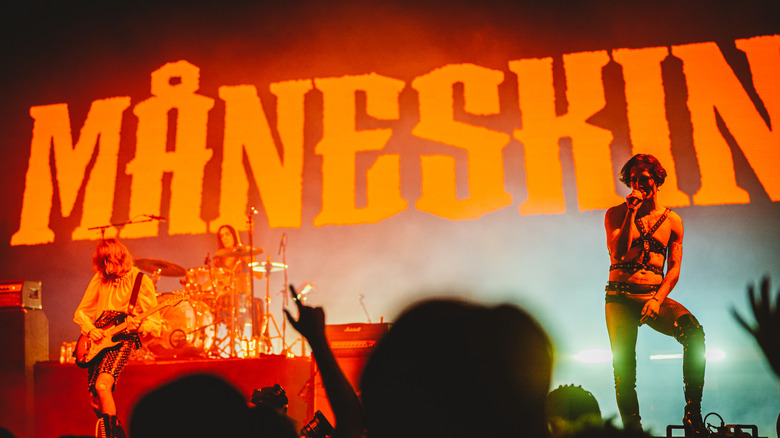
(693, 423)
(116, 428)
(690, 334)
(108, 426)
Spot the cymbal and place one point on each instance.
(165, 268)
(239, 251)
(263, 267)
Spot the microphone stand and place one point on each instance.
(119, 226)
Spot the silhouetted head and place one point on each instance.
(198, 405)
(457, 369)
(570, 409)
(267, 422)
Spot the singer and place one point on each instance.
(642, 235)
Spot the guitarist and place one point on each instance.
(107, 302)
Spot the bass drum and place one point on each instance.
(188, 330)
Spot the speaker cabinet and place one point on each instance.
(24, 341)
(352, 344)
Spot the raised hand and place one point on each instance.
(345, 403)
(311, 320)
(767, 328)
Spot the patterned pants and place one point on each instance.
(112, 360)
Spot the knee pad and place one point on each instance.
(687, 330)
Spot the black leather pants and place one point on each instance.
(623, 311)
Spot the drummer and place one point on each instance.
(227, 238)
(232, 257)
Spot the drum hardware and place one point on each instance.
(268, 318)
(187, 330)
(264, 339)
(239, 251)
(214, 321)
(160, 267)
(229, 287)
(204, 283)
(234, 338)
(268, 267)
(157, 268)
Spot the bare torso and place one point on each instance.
(665, 234)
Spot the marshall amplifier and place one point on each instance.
(354, 339)
(352, 344)
(20, 294)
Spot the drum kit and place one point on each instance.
(221, 318)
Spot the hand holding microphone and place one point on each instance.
(634, 199)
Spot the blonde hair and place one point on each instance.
(111, 253)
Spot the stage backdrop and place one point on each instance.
(402, 150)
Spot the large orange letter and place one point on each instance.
(52, 129)
(761, 145)
(341, 141)
(712, 86)
(542, 129)
(646, 112)
(173, 86)
(484, 147)
(247, 129)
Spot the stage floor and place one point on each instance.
(62, 402)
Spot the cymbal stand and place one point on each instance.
(233, 314)
(215, 349)
(155, 276)
(283, 251)
(268, 317)
(251, 222)
(230, 349)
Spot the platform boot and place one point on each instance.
(690, 334)
(116, 428)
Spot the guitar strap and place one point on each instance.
(134, 295)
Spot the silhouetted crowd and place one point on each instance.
(446, 368)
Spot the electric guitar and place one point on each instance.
(87, 350)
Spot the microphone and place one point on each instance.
(157, 218)
(282, 243)
(634, 201)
